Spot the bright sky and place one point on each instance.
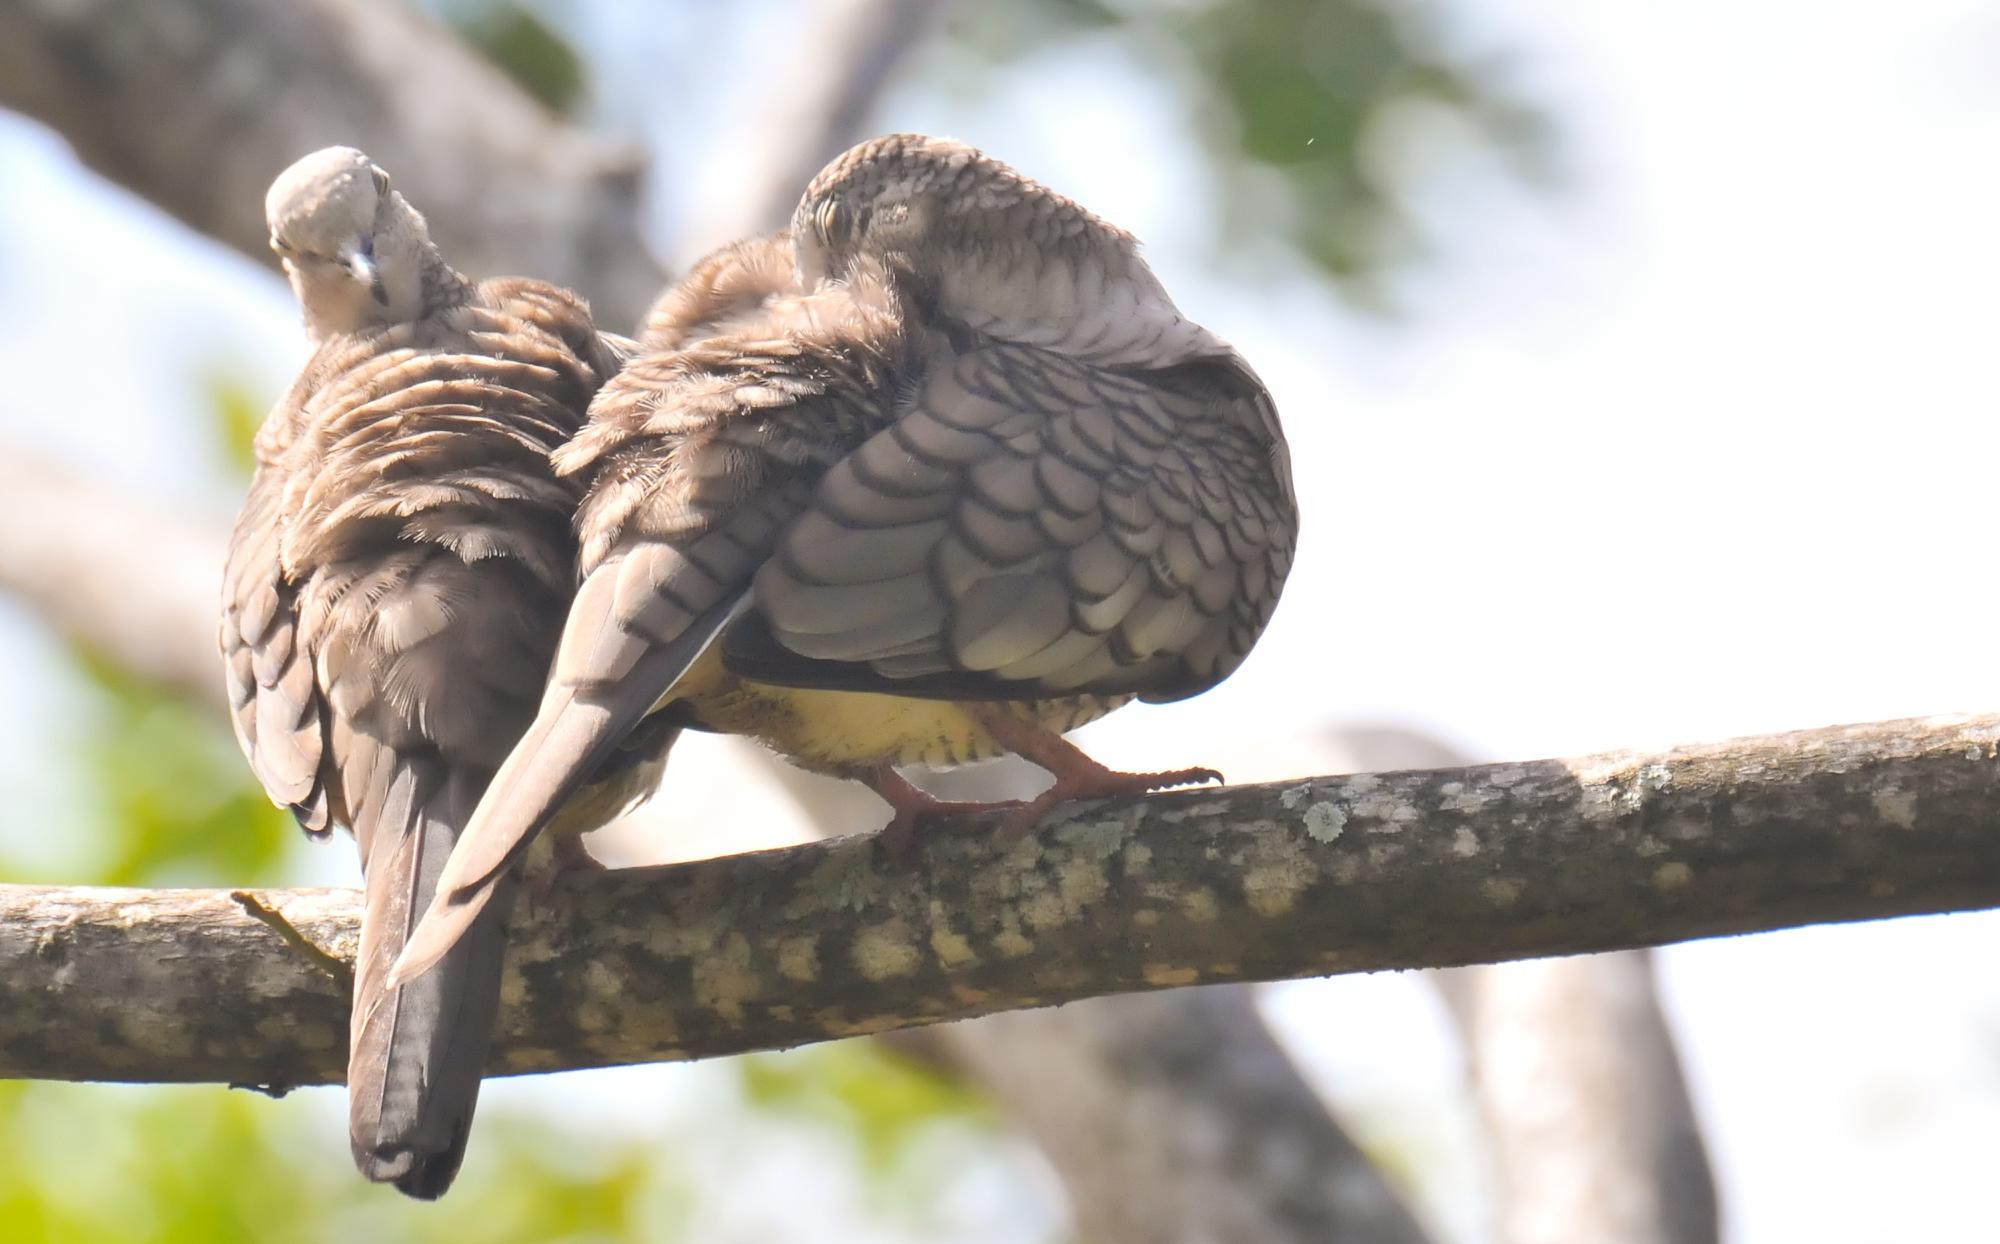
(1700, 446)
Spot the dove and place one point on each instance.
(395, 586)
(957, 478)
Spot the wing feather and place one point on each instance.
(1036, 525)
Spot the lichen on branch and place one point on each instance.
(839, 938)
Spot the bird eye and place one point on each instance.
(279, 245)
(828, 220)
(381, 180)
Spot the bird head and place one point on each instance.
(979, 243)
(354, 250)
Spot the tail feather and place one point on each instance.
(567, 740)
(573, 734)
(417, 1051)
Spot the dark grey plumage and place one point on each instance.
(392, 598)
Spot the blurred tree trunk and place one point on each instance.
(1177, 1118)
(1581, 1088)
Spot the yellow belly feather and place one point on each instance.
(848, 732)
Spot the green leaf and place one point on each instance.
(1310, 88)
(526, 49)
(239, 412)
(183, 1164)
(1294, 102)
(167, 793)
(886, 1101)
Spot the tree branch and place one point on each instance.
(198, 104)
(833, 939)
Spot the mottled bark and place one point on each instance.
(198, 104)
(834, 939)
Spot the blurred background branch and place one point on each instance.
(841, 57)
(1586, 1108)
(1178, 1116)
(197, 104)
(135, 583)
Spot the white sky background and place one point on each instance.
(1699, 446)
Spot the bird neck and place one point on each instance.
(440, 286)
(414, 285)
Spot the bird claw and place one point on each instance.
(1076, 775)
(913, 806)
(1080, 784)
(899, 836)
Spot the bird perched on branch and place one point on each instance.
(938, 477)
(395, 587)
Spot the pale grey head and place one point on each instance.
(984, 245)
(357, 254)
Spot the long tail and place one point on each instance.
(573, 733)
(416, 1052)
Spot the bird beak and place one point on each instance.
(360, 261)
